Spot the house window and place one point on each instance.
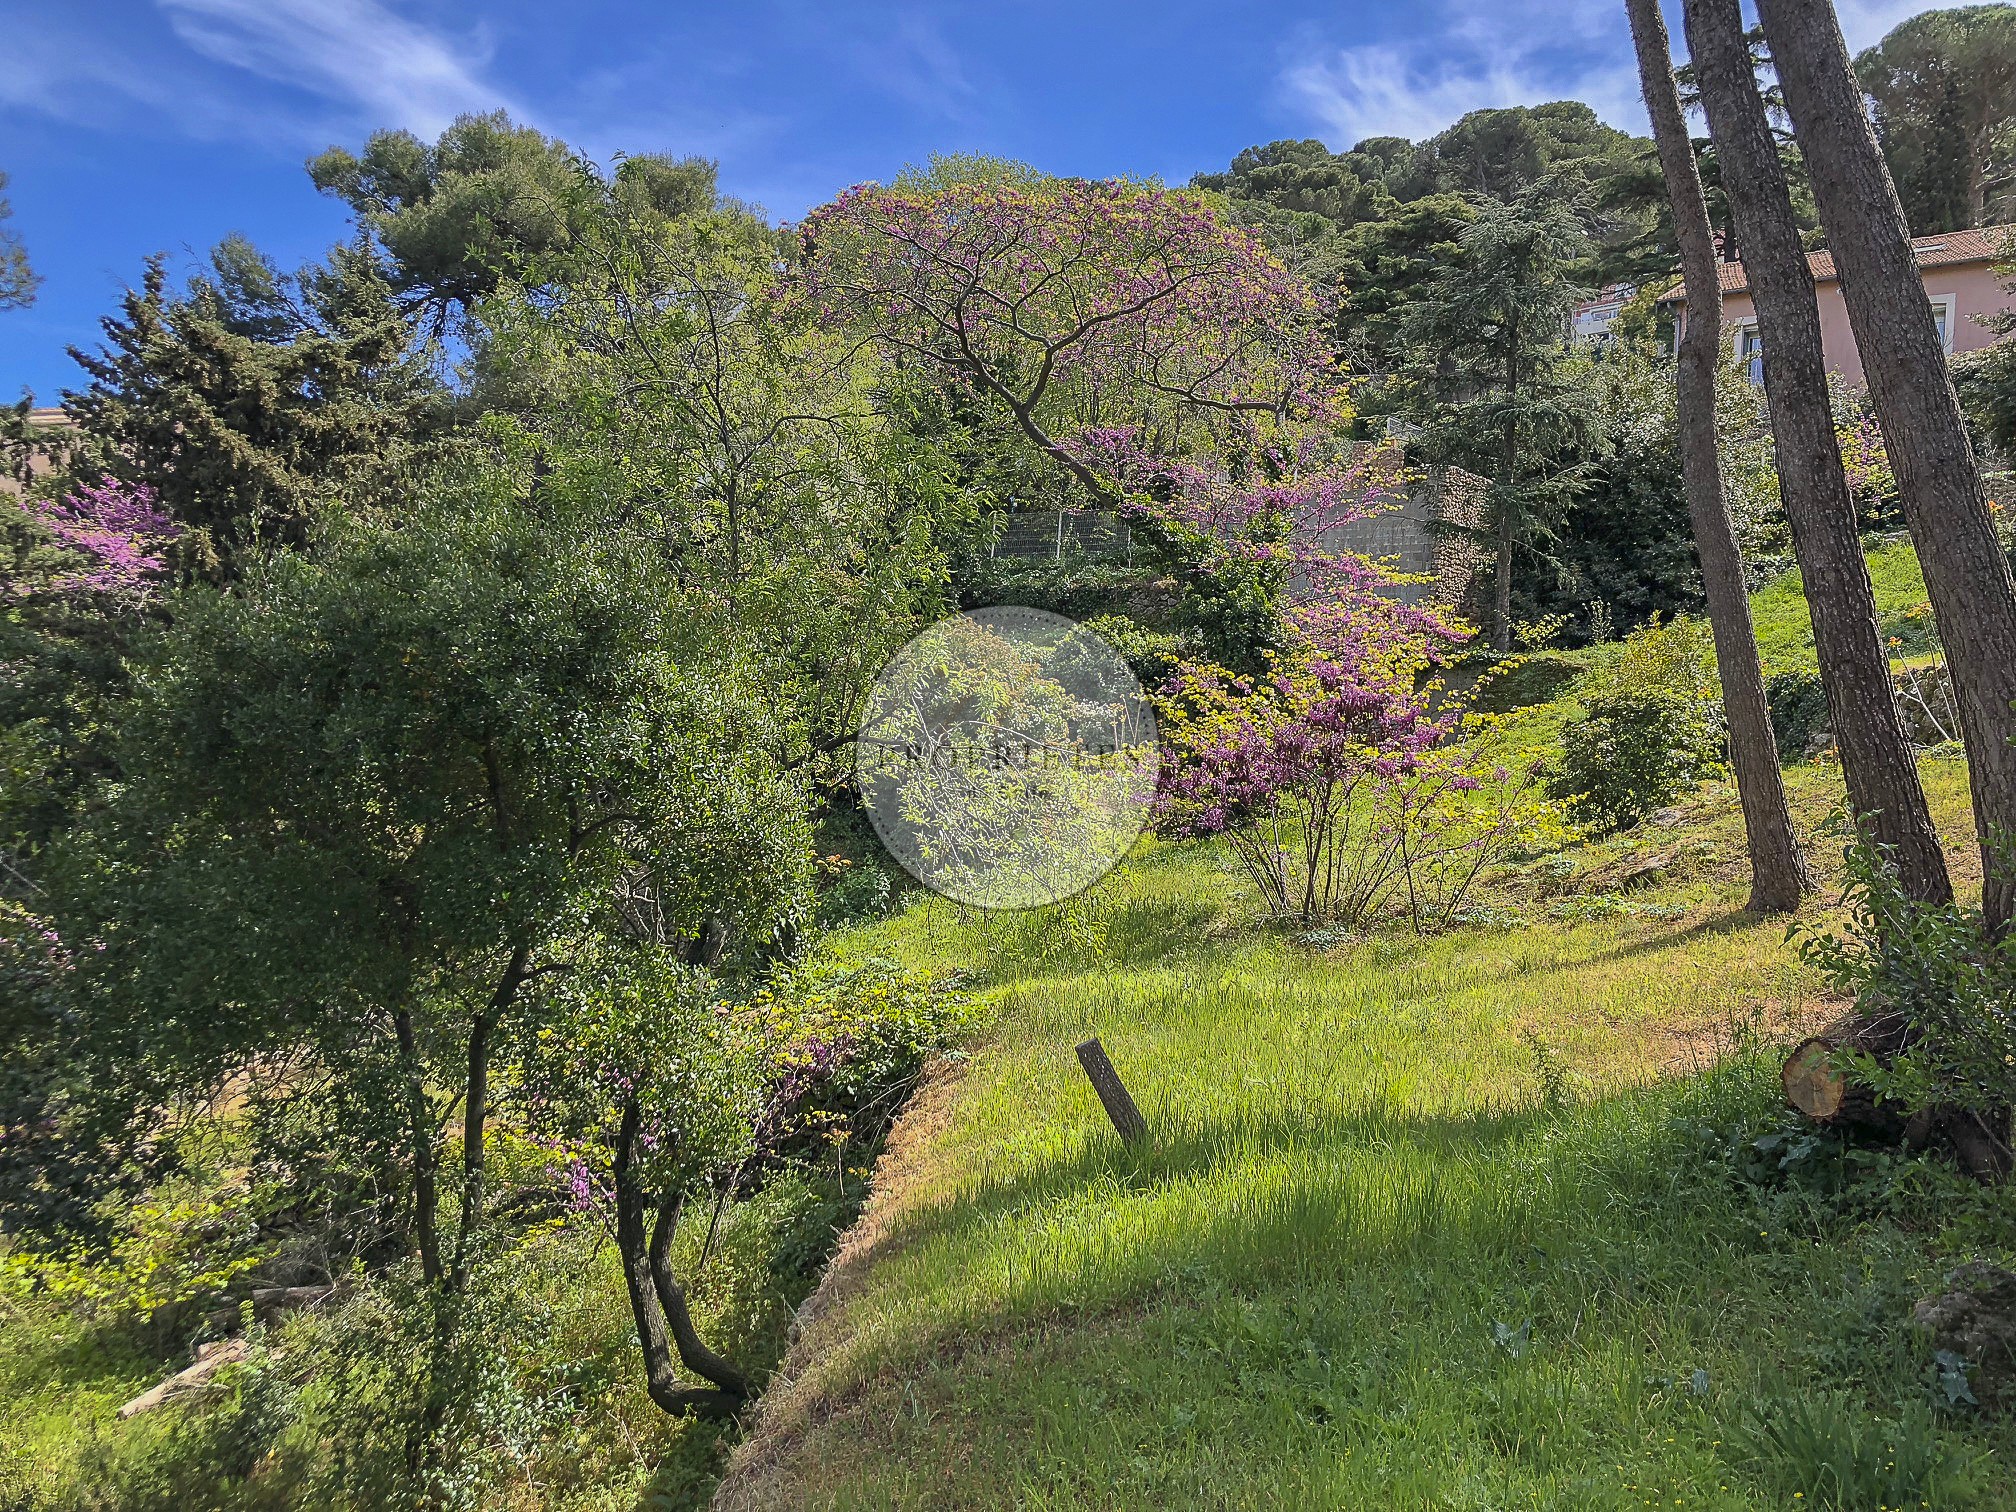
(1942, 317)
(1750, 349)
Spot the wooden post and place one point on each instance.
(1127, 1120)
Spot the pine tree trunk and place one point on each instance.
(1966, 574)
(1778, 872)
(1876, 759)
(1501, 584)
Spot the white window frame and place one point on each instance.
(1949, 305)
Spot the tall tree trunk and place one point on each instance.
(645, 1253)
(420, 1127)
(1778, 873)
(1501, 584)
(1966, 574)
(1876, 759)
(476, 1110)
(1508, 468)
(693, 1352)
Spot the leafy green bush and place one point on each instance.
(1798, 710)
(847, 1041)
(1635, 752)
(1152, 655)
(1652, 726)
(859, 890)
(1675, 656)
(1935, 965)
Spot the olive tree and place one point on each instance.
(380, 804)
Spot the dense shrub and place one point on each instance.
(1153, 655)
(853, 891)
(1652, 726)
(846, 1041)
(1798, 710)
(1077, 585)
(1933, 964)
(1635, 752)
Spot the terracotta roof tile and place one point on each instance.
(1983, 244)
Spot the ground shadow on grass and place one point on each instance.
(1186, 1148)
(1397, 950)
(1641, 1197)
(1127, 933)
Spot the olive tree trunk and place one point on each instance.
(1966, 574)
(1778, 872)
(1876, 758)
(657, 1301)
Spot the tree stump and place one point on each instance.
(1127, 1120)
(1830, 1097)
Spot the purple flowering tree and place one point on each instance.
(118, 534)
(1284, 766)
(1340, 786)
(1158, 355)
(1181, 375)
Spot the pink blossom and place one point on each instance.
(120, 532)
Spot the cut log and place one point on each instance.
(1817, 1087)
(1827, 1095)
(1812, 1084)
(1127, 1120)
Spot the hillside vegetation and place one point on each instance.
(1506, 1218)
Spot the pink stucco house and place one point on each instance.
(1959, 272)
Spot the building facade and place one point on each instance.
(1959, 270)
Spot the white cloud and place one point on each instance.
(1464, 55)
(1359, 92)
(357, 53)
(55, 70)
(917, 64)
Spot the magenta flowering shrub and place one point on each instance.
(117, 529)
(1341, 790)
(1282, 766)
(1180, 374)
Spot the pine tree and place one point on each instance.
(1966, 574)
(1876, 759)
(1778, 872)
(1489, 384)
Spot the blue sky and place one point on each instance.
(137, 126)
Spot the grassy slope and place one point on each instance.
(1785, 634)
(1364, 1161)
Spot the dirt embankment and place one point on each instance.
(764, 1470)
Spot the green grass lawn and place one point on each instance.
(1469, 1222)
(1785, 633)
